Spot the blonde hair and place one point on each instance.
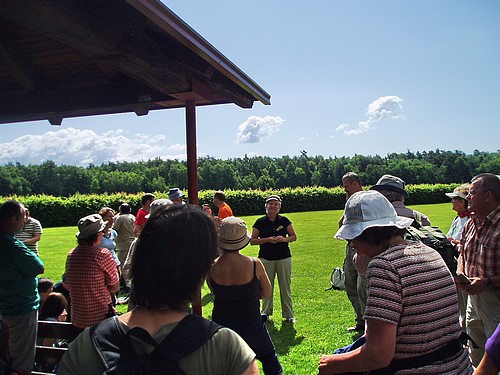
(104, 211)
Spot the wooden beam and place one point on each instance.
(56, 104)
(16, 62)
(72, 23)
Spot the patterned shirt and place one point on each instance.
(410, 286)
(29, 230)
(481, 245)
(89, 272)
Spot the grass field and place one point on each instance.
(322, 316)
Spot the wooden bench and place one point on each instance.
(53, 330)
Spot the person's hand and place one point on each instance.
(272, 240)
(360, 263)
(325, 366)
(280, 239)
(477, 285)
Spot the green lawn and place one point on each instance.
(322, 316)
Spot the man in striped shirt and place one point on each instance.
(30, 233)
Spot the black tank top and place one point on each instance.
(237, 300)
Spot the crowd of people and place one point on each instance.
(412, 313)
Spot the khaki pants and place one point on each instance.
(22, 336)
(283, 269)
(355, 286)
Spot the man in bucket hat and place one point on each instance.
(91, 274)
(393, 188)
(176, 196)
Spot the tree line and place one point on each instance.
(260, 172)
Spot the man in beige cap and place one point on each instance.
(91, 275)
(459, 204)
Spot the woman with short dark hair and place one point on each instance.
(273, 232)
(174, 252)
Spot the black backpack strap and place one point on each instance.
(190, 334)
(417, 219)
(112, 343)
(108, 338)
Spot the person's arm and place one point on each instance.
(117, 224)
(115, 287)
(341, 220)
(265, 284)
(137, 229)
(112, 278)
(127, 265)
(486, 367)
(377, 352)
(253, 369)
(36, 237)
(480, 284)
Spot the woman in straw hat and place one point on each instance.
(238, 283)
(411, 314)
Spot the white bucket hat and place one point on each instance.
(90, 225)
(233, 234)
(366, 209)
(157, 204)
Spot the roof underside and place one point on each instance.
(71, 58)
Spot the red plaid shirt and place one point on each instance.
(89, 272)
(481, 246)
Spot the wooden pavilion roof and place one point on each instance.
(71, 58)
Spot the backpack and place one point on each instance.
(433, 237)
(337, 279)
(114, 346)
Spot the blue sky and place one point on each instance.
(345, 78)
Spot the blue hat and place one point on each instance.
(175, 193)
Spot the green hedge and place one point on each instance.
(60, 211)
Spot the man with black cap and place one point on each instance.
(393, 188)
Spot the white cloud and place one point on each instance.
(342, 127)
(81, 147)
(311, 137)
(256, 128)
(385, 107)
